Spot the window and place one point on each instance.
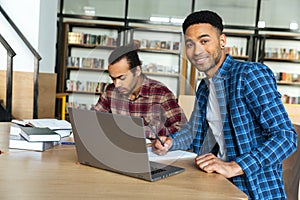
(103, 8)
(280, 14)
(233, 12)
(166, 9)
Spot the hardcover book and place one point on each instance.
(34, 134)
(18, 142)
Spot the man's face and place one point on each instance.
(203, 47)
(124, 79)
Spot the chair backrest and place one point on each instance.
(186, 102)
(290, 175)
(293, 111)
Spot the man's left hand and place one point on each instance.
(210, 163)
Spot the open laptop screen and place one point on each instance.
(112, 142)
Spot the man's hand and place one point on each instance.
(158, 148)
(210, 163)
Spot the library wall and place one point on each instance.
(22, 104)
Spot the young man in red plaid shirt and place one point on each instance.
(132, 93)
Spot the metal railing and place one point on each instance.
(37, 59)
(10, 54)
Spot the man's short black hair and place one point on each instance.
(129, 52)
(203, 16)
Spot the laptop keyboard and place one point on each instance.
(155, 171)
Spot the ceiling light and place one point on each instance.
(177, 20)
(159, 19)
(294, 26)
(88, 10)
(261, 24)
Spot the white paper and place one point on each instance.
(53, 124)
(171, 155)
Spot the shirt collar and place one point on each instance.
(222, 72)
(144, 91)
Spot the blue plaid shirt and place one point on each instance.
(257, 131)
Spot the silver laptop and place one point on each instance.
(116, 143)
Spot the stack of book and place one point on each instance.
(37, 134)
(21, 138)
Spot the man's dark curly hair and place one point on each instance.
(129, 52)
(203, 16)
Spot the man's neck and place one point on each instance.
(214, 70)
(137, 89)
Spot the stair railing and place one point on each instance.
(37, 59)
(9, 72)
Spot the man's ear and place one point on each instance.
(223, 41)
(138, 71)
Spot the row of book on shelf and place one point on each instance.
(78, 105)
(290, 99)
(38, 134)
(80, 62)
(86, 86)
(157, 44)
(283, 53)
(235, 51)
(288, 77)
(154, 67)
(91, 39)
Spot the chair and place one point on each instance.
(63, 97)
(186, 102)
(291, 165)
(299, 191)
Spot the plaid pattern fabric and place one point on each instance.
(155, 103)
(257, 131)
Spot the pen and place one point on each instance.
(68, 143)
(156, 135)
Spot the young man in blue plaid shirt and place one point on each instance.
(254, 132)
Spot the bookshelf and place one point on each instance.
(159, 50)
(87, 47)
(239, 45)
(282, 54)
(84, 60)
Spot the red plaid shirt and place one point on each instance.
(155, 103)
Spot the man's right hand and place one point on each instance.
(158, 148)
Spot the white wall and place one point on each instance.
(36, 19)
(47, 34)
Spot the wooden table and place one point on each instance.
(55, 174)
